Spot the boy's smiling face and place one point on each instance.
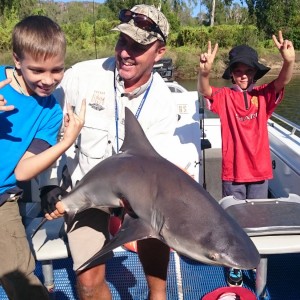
(243, 75)
(39, 76)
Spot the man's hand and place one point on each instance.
(50, 195)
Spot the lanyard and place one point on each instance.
(136, 114)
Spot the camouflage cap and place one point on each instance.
(142, 36)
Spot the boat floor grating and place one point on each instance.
(127, 281)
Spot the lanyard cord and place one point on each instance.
(18, 83)
(136, 114)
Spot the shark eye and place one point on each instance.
(214, 256)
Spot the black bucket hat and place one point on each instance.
(248, 56)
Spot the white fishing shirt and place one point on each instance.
(97, 81)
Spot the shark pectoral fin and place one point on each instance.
(132, 229)
(44, 220)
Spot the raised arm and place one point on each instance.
(287, 52)
(205, 66)
(31, 165)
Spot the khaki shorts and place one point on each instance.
(87, 236)
(17, 263)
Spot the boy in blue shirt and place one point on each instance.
(30, 120)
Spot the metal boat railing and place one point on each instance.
(292, 127)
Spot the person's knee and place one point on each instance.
(92, 277)
(86, 291)
(91, 284)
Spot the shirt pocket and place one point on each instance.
(94, 137)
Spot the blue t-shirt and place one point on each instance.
(33, 117)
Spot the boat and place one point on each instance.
(284, 138)
(275, 278)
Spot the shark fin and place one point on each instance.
(131, 230)
(135, 141)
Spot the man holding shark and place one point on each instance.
(109, 85)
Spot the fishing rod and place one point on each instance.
(94, 27)
(204, 142)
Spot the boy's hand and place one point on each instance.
(285, 47)
(3, 106)
(57, 213)
(207, 59)
(73, 123)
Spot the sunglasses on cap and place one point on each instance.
(140, 21)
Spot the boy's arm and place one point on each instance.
(31, 165)
(205, 66)
(287, 52)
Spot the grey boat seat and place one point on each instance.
(48, 244)
(272, 224)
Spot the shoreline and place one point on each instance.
(215, 75)
(272, 61)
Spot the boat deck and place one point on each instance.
(187, 279)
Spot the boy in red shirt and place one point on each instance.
(244, 110)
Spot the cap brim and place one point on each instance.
(137, 34)
(242, 292)
(261, 69)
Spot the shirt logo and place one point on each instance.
(249, 117)
(254, 101)
(97, 101)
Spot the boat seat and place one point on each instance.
(49, 242)
(272, 224)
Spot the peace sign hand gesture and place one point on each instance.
(207, 59)
(285, 47)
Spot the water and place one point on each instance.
(288, 108)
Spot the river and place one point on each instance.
(289, 108)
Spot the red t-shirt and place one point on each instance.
(245, 143)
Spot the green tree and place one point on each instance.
(22, 7)
(6, 5)
(226, 12)
(181, 8)
(273, 15)
(104, 12)
(6, 26)
(49, 9)
(251, 7)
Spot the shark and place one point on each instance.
(160, 201)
